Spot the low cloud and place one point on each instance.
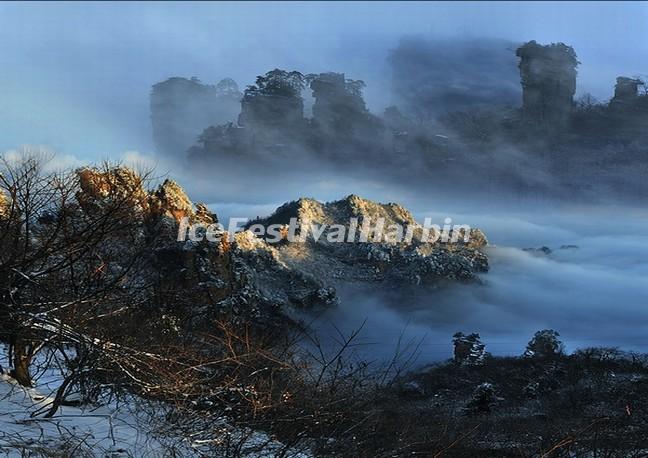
(594, 295)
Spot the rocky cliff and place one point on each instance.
(181, 108)
(247, 275)
(391, 261)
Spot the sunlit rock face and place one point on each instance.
(251, 276)
(240, 276)
(5, 205)
(109, 184)
(376, 254)
(170, 200)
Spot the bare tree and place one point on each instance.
(68, 245)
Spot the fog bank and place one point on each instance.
(594, 295)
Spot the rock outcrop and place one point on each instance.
(626, 90)
(548, 75)
(170, 200)
(104, 184)
(5, 207)
(246, 274)
(181, 108)
(379, 257)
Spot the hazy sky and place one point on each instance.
(76, 76)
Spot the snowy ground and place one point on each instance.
(100, 431)
(114, 430)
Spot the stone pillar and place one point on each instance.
(548, 77)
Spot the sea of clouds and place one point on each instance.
(594, 295)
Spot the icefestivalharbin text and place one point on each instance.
(368, 230)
